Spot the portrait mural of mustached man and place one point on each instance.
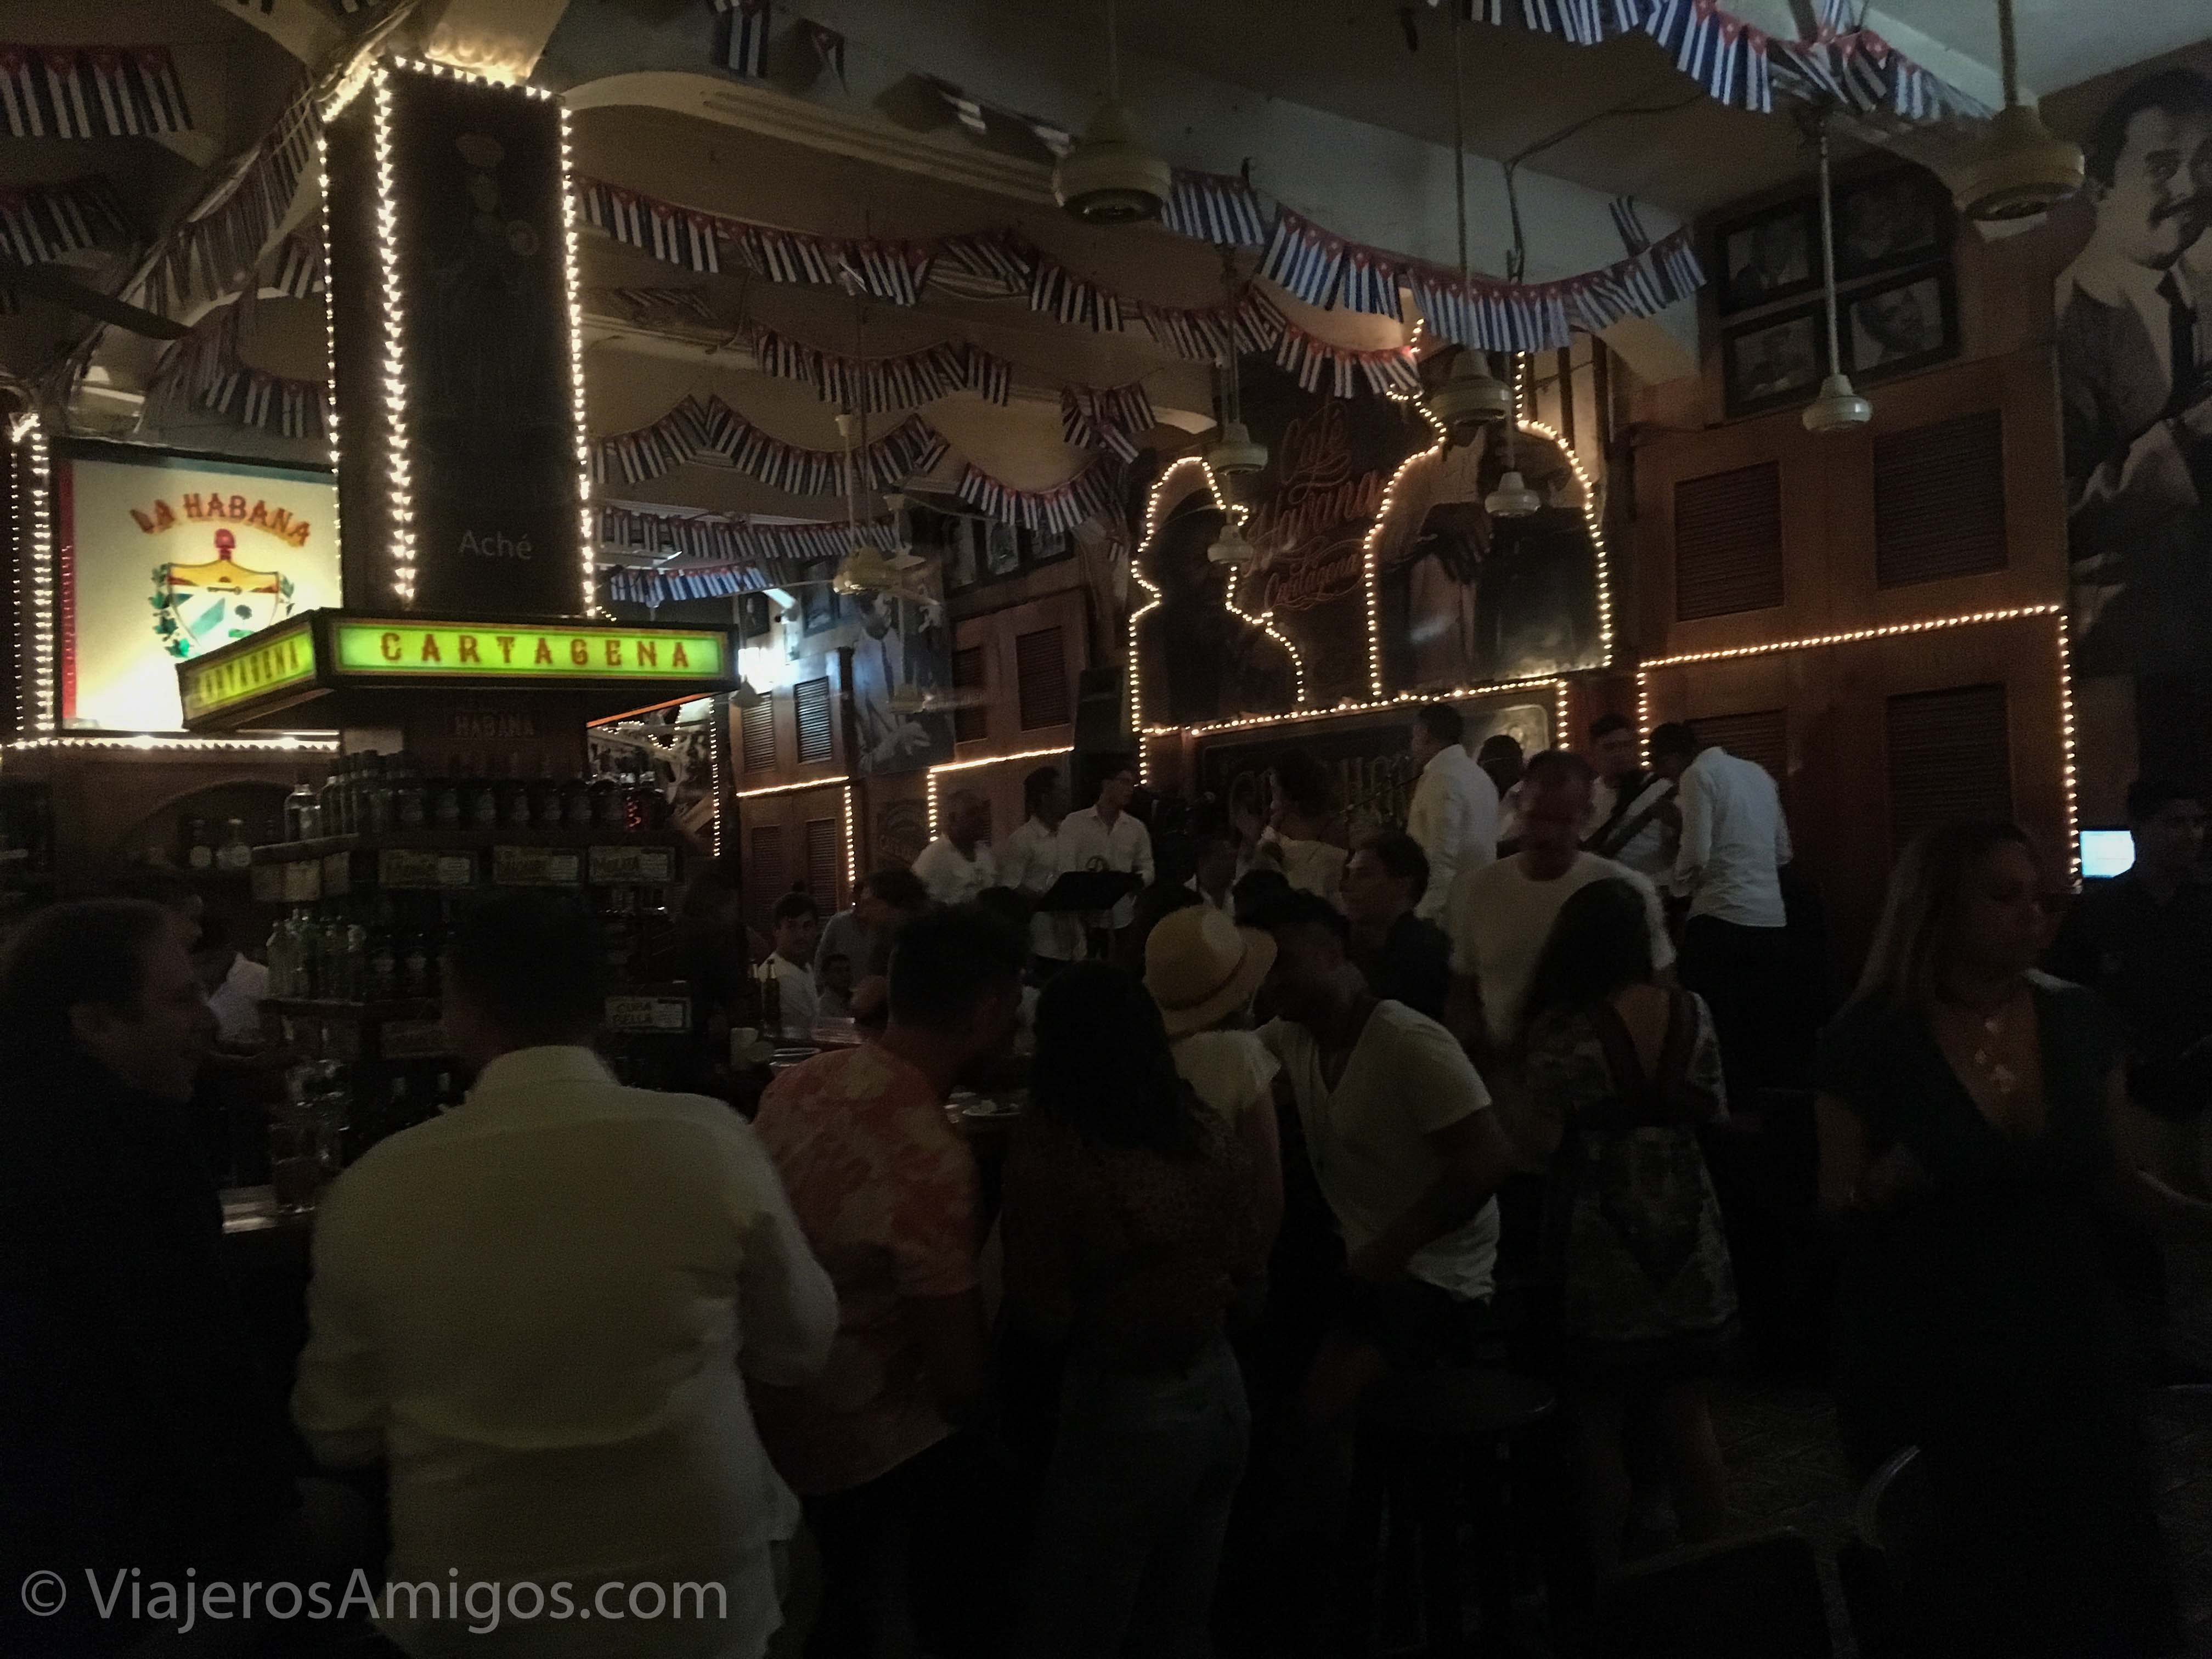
(2133, 309)
(1459, 602)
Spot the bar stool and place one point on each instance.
(1438, 1449)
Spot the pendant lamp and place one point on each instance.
(1471, 396)
(1839, 408)
(1512, 499)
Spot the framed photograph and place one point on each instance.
(1895, 327)
(1768, 255)
(1894, 219)
(1774, 362)
(818, 601)
(1051, 545)
(1002, 554)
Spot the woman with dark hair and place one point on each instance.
(1969, 1112)
(1300, 815)
(1128, 1225)
(1627, 1073)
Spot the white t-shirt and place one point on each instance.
(1233, 1071)
(1368, 1137)
(1030, 863)
(1087, 841)
(795, 988)
(1501, 920)
(950, 876)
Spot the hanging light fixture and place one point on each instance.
(864, 569)
(1839, 408)
(2021, 168)
(1512, 499)
(1231, 547)
(1471, 396)
(1234, 455)
(1107, 177)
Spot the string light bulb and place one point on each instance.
(985, 760)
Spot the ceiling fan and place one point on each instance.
(45, 282)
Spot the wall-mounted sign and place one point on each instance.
(284, 657)
(164, 560)
(503, 651)
(462, 476)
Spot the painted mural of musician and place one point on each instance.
(2133, 348)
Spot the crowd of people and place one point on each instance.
(1307, 1111)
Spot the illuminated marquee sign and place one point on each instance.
(275, 660)
(500, 651)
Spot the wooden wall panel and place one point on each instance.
(1835, 702)
(785, 829)
(996, 634)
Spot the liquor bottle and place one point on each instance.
(281, 972)
(415, 965)
(199, 847)
(330, 959)
(236, 852)
(771, 1001)
(444, 794)
(302, 812)
(575, 802)
(606, 801)
(514, 794)
(373, 796)
(333, 796)
(408, 809)
(383, 957)
(480, 801)
(357, 972)
(544, 796)
(642, 796)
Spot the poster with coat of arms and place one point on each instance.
(165, 558)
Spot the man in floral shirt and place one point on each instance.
(884, 1188)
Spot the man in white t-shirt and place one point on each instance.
(957, 865)
(1501, 915)
(1031, 861)
(1454, 811)
(798, 923)
(1405, 1149)
(1107, 837)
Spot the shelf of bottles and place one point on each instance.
(377, 861)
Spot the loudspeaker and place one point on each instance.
(1099, 727)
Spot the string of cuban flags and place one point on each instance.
(741, 557)
(1314, 264)
(707, 430)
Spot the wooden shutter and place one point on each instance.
(821, 862)
(1041, 672)
(1939, 507)
(1950, 757)
(765, 879)
(758, 724)
(811, 698)
(1727, 542)
(969, 721)
(1762, 736)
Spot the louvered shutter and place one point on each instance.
(1762, 736)
(1950, 757)
(811, 698)
(1727, 542)
(821, 862)
(765, 880)
(1939, 507)
(1041, 671)
(757, 724)
(969, 722)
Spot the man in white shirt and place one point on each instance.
(1405, 1149)
(1735, 944)
(1501, 917)
(797, 922)
(1454, 814)
(959, 865)
(1106, 837)
(1032, 862)
(540, 1309)
(1633, 818)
